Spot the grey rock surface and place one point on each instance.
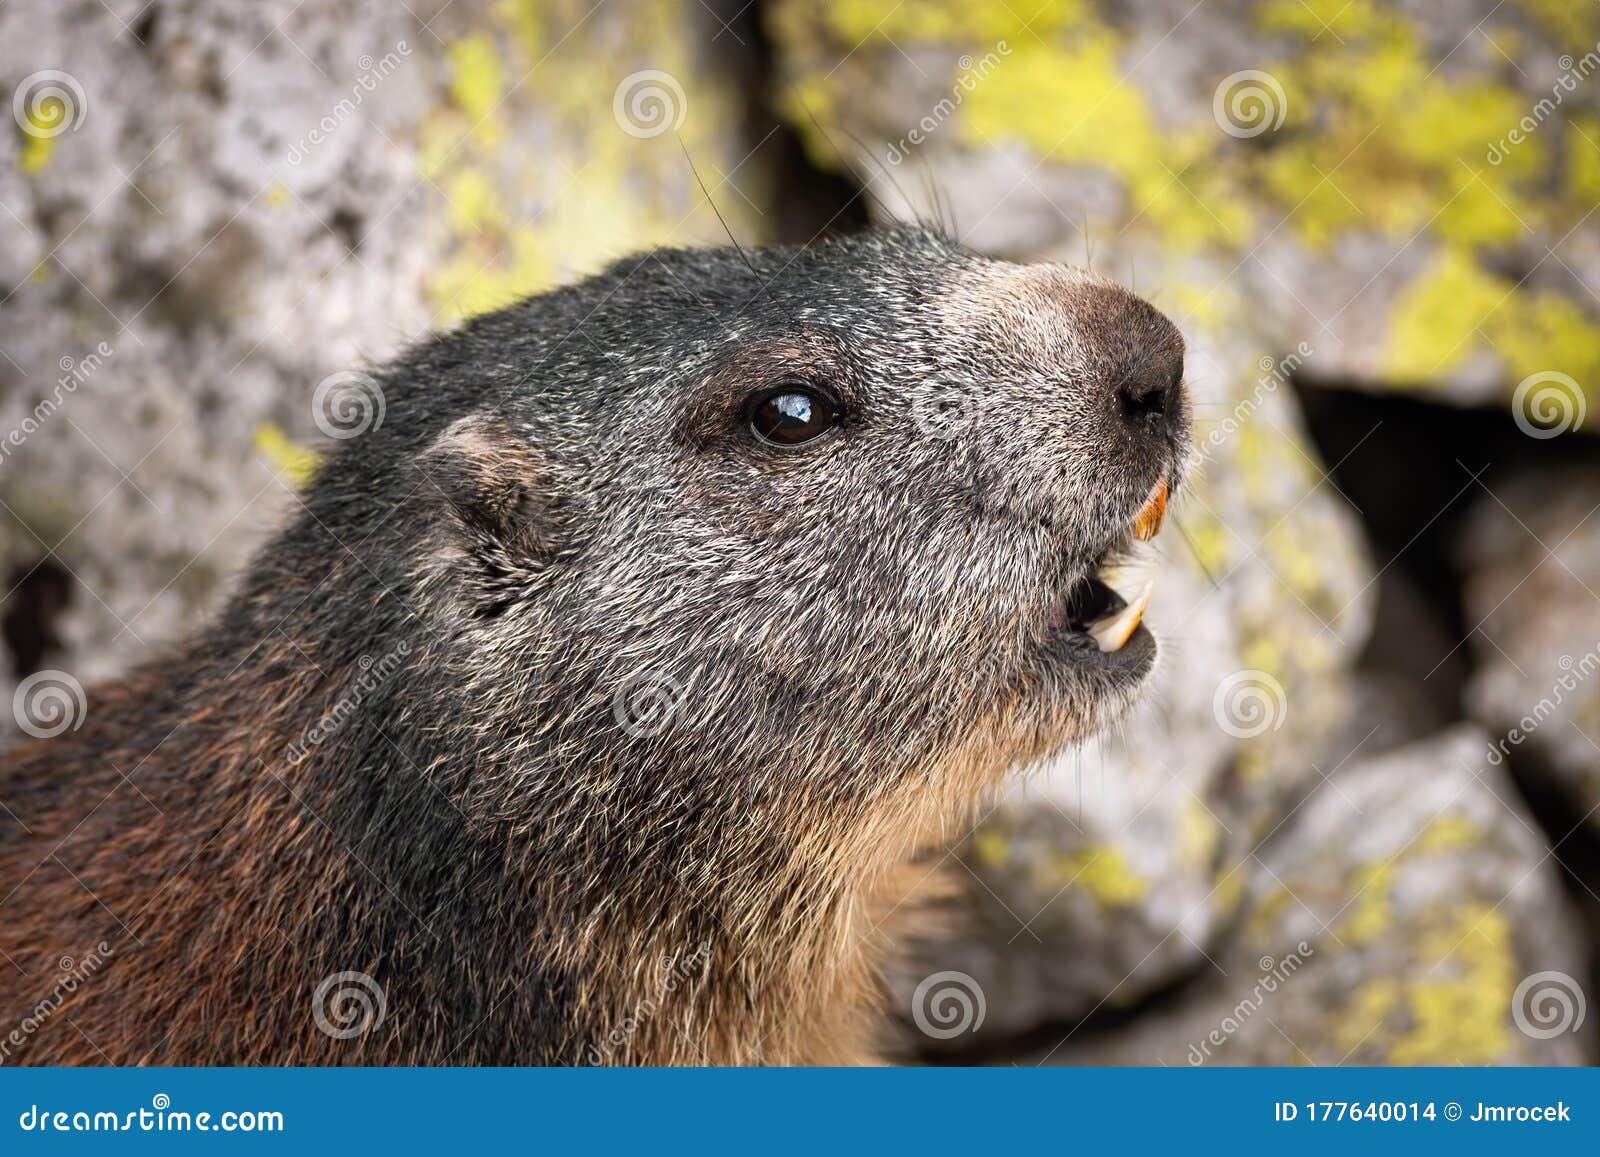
(1533, 592)
(1407, 913)
(1294, 224)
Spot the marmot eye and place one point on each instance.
(790, 415)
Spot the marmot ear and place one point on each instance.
(497, 489)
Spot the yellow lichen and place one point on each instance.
(296, 463)
(1434, 325)
(1456, 310)
(474, 201)
(1319, 19)
(1372, 1004)
(1104, 873)
(1583, 159)
(1262, 653)
(36, 153)
(1228, 892)
(1576, 26)
(525, 19)
(1198, 835)
(1374, 136)
(1369, 913)
(1448, 834)
(477, 84)
(1262, 926)
(1378, 140)
(991, 849)
(955, 22)
(1207, 538)
(521, 220)
(1208, 306)
(1072, 105)
(1462, 1017)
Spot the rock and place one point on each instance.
(243, 200)
(1532, 558)
(1222, 160)
(1407, 913)
(1439, 254)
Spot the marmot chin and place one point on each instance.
(595, 699)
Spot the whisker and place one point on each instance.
(743, 256)
(1200, 562)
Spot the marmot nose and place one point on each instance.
(1150, 395)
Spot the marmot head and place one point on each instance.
(714, 540)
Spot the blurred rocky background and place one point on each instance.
(1356, 821)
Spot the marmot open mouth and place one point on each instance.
(1095, 613)
(1096, 625)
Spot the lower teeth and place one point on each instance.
(1111, 633)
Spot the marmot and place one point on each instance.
(591, 706)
